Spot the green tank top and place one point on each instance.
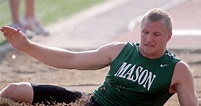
(134, 80)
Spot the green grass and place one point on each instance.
(47, 11)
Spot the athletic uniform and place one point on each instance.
(51, 95)
(133, 80)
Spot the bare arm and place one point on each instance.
(84, 60)
(184, 85)
(61, 58)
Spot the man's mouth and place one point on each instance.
(149, 45)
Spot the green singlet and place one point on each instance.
(134, 80)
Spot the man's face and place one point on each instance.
(154, 38)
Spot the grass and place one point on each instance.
(47, 11)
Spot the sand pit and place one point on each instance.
(25, 68)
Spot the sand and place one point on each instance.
(19, 67)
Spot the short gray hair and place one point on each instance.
(157, 14)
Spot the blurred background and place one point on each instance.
(47, 11)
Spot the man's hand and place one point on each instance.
(17, 38)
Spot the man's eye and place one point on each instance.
(157, 34)
(145, 32)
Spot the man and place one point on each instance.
(142, 74)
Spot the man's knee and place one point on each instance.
(18, 91)
(9, 90)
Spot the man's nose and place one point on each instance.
(149, 38)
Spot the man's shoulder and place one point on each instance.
(182, 66)
(123, 45)
(182, 70)
(116, 45)
(115, 48)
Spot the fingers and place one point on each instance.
(9, 31)
(5, 32)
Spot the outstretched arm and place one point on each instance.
(61, 58)
(184, 85)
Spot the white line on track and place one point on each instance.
(193, 32)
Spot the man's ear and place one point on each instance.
(169, 36)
